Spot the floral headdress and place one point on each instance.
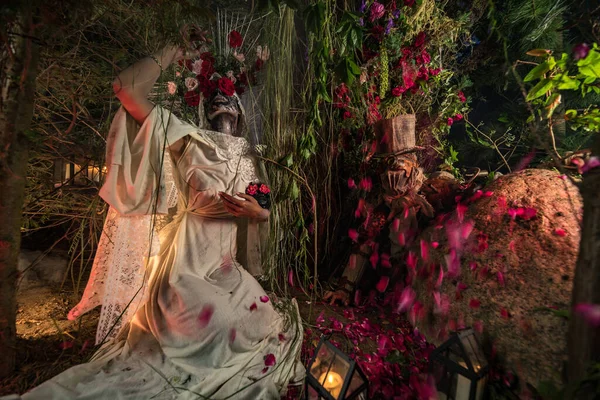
(220, 67)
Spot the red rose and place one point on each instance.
(226, 86)
(252, 189)
(207, 56)
(207, 68)
(450, 121)
(235, 39)
(458, 117)
(192, 98)
(420, 39)
(434, 71)
(187, 62)
(397, 91)
(348, 115)
(264, 189)
(207, 87)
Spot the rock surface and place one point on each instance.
(516, 246)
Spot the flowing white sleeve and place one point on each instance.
(140, 180)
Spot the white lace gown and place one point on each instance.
(201, 326)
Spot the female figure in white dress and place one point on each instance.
(201, 326)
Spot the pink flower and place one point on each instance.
(593, 162)
(377, 11)
(397, 91)
(458, 117)
(353, 234)
(581, 51)
(504, 313)
(366, 184)
(590, 312)
(205, 315)
(351, 183)
(264, 299)
(252, 189)
(435, 245)
(449, 121)
(461, 97)
(172, 87)
(253, 306)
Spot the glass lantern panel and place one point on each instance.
(355, 383)
(456, 354)
(330, 369)
(474, 351)
(312, 393)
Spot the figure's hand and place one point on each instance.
(248, 207)
(339, 295)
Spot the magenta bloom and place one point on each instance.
(581, 51)
(590, 312)
(269, 360)
(377, 10)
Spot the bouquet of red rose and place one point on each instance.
(261, 193)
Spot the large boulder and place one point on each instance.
(508, 257)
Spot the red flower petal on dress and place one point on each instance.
(232, 334)
(281, 337)
(435, 245)
(504, 313)
(424, 250)
(383, 283)
(253, 307)
(560, 232)
(264, 299)
(205, 315)
(461, 209)
(440, 278)
(474, 303)
(269, 360)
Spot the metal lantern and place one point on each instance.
(459, 367)
(332, 375)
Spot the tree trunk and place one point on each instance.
(583, 344)
(16, 110)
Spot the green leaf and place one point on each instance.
(537, 72)
(294, 190)
(568, 83)
(540, 89)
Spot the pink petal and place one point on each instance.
(205, 315)
(440, 278)
(466, 229)
(232, 334)
(560, 232)
(366, 184)
(472, 265)
(401, 239)
(374, 259)
(396, 225)
(488, 193)
(478, 326)
(281, 337)
(359, 208)
(474, 303)
(357, 298)
(511, 246)
(461, 210)
(411, 260)
(320, 318)
(500, 278)
(253, 306)
(351, 183)
(407, 298)
(353, 234)
(424, 250)
(435, 245)
(385, 261)
(264, 299)
(504, 313)
(291, 278)
(590, 312)
(66, 345)
(383, 283)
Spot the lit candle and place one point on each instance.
(332, 383)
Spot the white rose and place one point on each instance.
(172, 87)
(197, 67)
(239, 56)
(263, 52)
(229, 74)
(191, 83)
